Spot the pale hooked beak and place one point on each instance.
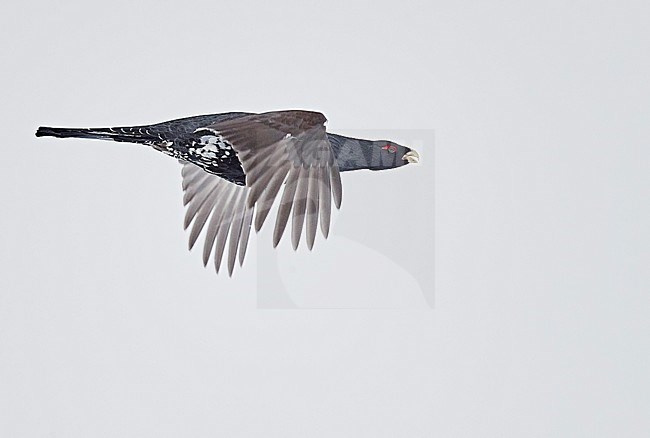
(411, 157)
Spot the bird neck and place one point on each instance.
(351, 153)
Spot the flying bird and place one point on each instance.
(234, 165)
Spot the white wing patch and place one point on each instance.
(211, 147)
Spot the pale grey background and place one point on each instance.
(109, 328)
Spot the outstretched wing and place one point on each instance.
(289, 147)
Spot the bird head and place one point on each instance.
(388, 155)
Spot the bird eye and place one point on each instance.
(390, 148)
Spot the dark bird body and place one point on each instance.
(235, 163)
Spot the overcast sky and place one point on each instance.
(532, 319)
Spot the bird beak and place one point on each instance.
(411, 157)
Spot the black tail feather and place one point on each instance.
(115, 134)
